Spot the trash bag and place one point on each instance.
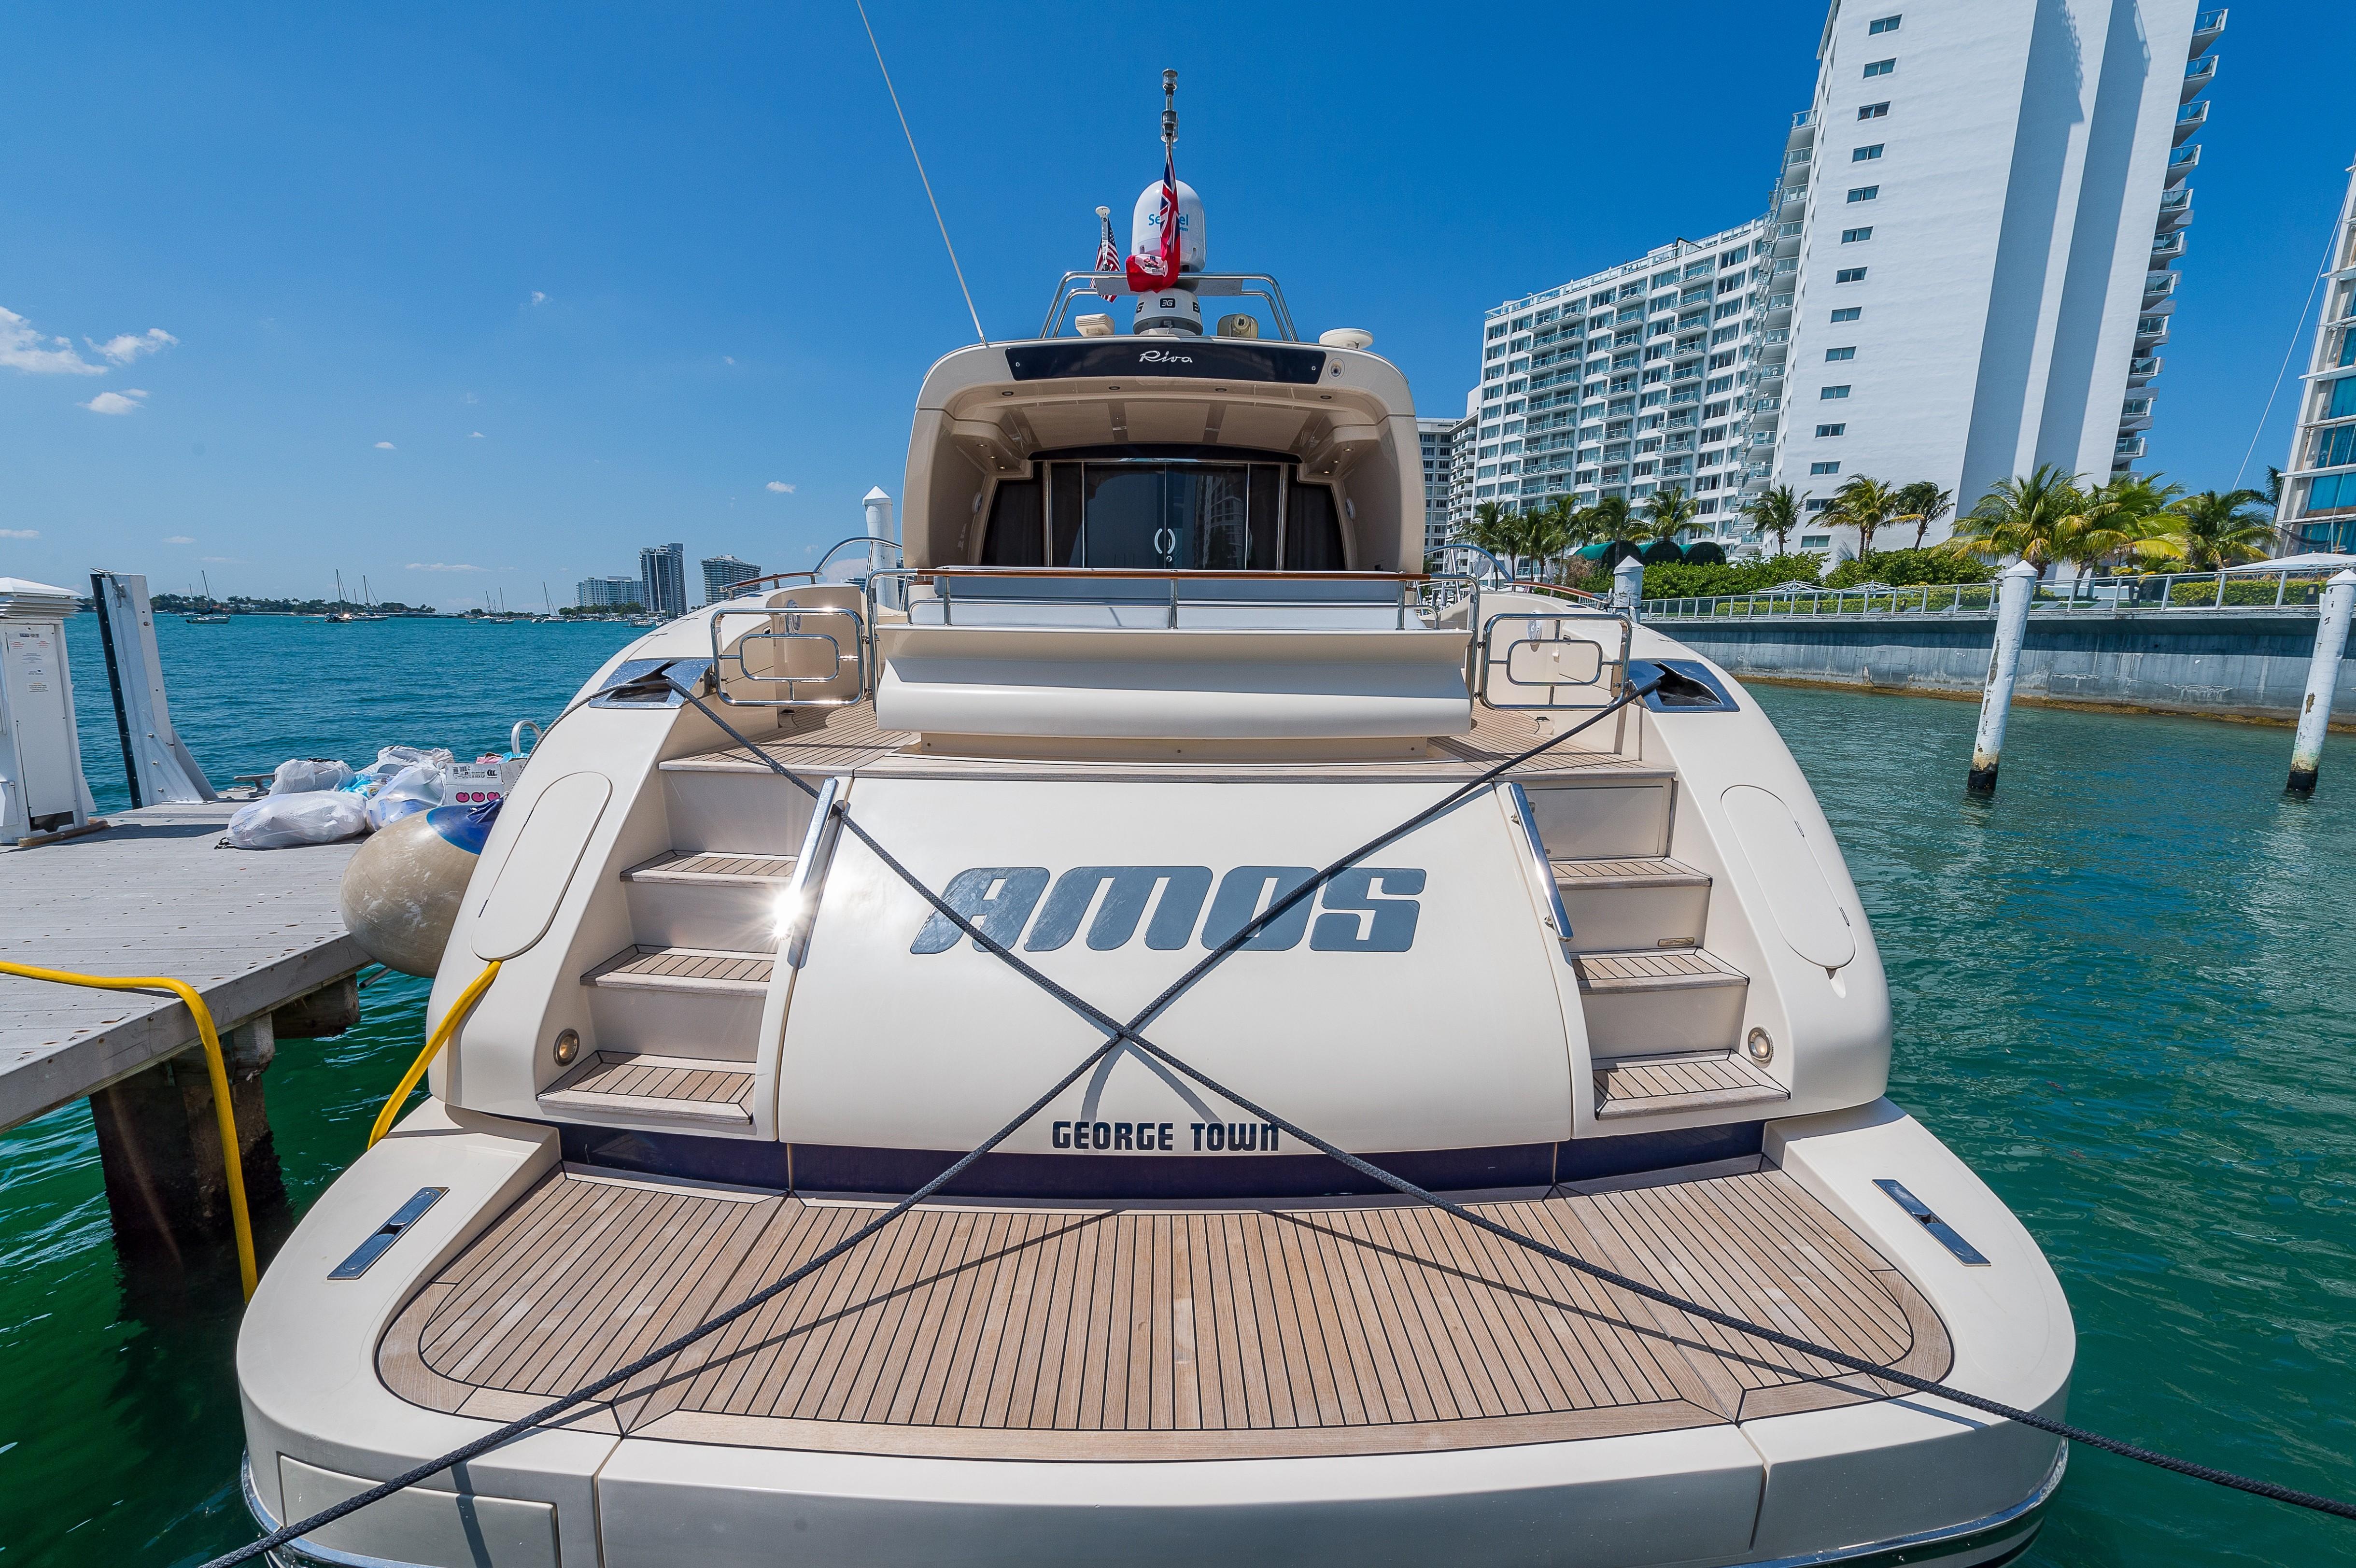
(417, 787)
(310, 816)
(300, 775)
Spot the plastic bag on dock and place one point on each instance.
(416, 788)
(302, 775)
(311, 816)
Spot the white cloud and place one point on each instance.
(221, 559)
(22, 348)
(472, 398)
(386, 446)
(474, 436)
(179, 538)
(537, 297)
(781, 487)
(727, 358)
(445, 566)
(19, 534)
(129, 346)
(115, 402)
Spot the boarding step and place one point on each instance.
(1683, 1080)
(1653, 1001)
(713, 899)
(627, 1086)
(695, 971)
(705, 868)
(700, 1002)
(1632, 904)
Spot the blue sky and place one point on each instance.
(521, 288)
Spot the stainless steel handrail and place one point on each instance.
(2174, 592)
(1210, 285)
(725, 653)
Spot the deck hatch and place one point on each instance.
(1948, 1236)
(386, 1234)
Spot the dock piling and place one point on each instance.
(2015, 585)
(159, 1147)
(2322, 676)
(1628, 586)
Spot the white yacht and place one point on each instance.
(1161, 649)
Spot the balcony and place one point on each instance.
(2181, 165)
(2175, 210)
(2167, 247)
(1806, 118)
(2149, 329)
(2140, 371)
(2134, 415)
(2191, 118)
(2197, 75)
(2205, 28)
(2157, 286)
(2130, 447)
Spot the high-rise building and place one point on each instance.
(721, 576)
(1967, 270)
(599, 592)
(1461, 444)
(2319, 501)
(662, 579)
(1976, 231)
(1434, 433)
(1624, 381)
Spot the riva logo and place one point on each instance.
(1163, 357)
(1367, 909)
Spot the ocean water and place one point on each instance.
(2123, 992)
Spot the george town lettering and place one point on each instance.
(1159, 1137)
(1367, 909)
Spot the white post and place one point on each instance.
(2322, 675)
(1628, 586)
(2015, 586)
(880, 527)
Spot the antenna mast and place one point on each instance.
(1169, 107)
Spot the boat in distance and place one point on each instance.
(1160, 650)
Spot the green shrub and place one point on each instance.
(1687, 580)
(1905, 568)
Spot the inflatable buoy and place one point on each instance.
(401, 892)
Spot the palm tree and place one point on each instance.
(2024, 517)
(1667, 511)
(2212, 531)
(1609, 517)
(1865, 505)
(1544, 533)
(1922, 503)
(1774, 510)
(1492, 529)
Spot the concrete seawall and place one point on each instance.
(2227, 664)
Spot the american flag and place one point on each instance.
(1108, 253)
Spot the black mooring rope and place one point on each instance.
(1116, 1034)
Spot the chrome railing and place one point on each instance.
(2193, 592)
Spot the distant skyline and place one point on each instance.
(464, 302)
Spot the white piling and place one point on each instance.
(2322, 675)
(1628, 586)
(2015, 585)
(879, 528)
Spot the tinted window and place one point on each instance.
(1312, 534)
(1016, 537)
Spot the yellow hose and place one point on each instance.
(233, 1167)
(449, 1026)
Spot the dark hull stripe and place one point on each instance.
(818, 1167)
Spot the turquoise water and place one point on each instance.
(2122, 992)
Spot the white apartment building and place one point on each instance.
(1967, 269)
(1435, 435)
(2319, 501)
(1976, 233)
(1624, 381)
(598, 593)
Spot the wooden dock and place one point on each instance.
(250, 931)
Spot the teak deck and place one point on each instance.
(1133, 1334)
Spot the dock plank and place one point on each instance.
(249, 929)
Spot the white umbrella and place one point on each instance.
(2314, 560)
